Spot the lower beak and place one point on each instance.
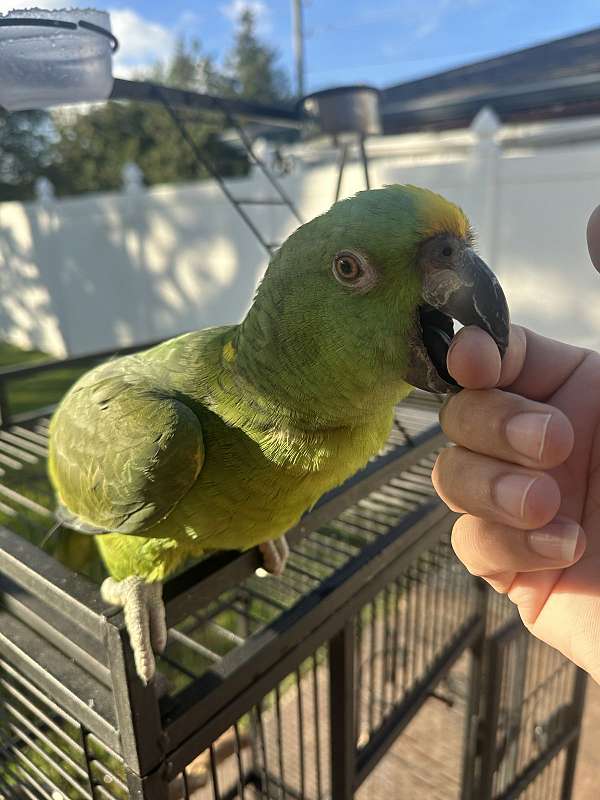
(469, 293)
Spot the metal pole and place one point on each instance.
(342, 688)
(365, 162)
(210, 168)
(4, 407)
(341, 165)
(578, 705)
(471, 753)
(298, 47)
(495, 655)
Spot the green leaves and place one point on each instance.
(253, 67)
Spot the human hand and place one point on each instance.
(525, 475)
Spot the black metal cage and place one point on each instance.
(298, 686)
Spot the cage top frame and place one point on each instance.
(182, 99)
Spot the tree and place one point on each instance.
(92, 151)
(251, 65)
(92, 148)
(25, 141)
(189, 68)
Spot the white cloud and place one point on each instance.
(235, 8)
(432, 20)
(262, 13)
(142, 42)
(423, 17)
(188, 19)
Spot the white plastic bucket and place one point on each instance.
(50, 58)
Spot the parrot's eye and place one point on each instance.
(347, 268)
(447, 251)
(354, 271)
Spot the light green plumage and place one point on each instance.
(222, 438)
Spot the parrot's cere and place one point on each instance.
(222, 438)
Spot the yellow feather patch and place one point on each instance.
(229, 352)
(436, 215)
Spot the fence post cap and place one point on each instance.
(44, 190)
(132, 177)
(486, 123)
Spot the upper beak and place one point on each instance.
(468, 292)
(472, 295)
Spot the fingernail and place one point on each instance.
(526, 433)
(510, 493)
(557, 541)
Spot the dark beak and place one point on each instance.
(474, 297)
(468, 292)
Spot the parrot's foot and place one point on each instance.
(275, 555)
(145, 619)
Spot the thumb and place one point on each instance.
(593, 237)
(473, 359)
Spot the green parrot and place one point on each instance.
(222, 438)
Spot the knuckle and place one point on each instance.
(447, 478)
(445, 460)
(443, 470)
(456, 419)
(475, 416)
(474, 543)
(464, 544)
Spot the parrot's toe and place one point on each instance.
(158, 618)
(145, 619)
(275, 555)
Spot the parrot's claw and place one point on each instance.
(275, 555)
(145, 619)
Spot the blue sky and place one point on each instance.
(347, 41)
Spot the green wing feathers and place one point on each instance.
(122, 454)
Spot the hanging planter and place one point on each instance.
(50, 58)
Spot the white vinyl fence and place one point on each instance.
(81, 274)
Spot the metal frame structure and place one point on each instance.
(176, 101)
(249, 111)
(341, 164)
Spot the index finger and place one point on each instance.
(533, 366)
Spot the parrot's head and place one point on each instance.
(368, 291)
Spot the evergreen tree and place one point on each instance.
(24, 152)
(253, 68)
